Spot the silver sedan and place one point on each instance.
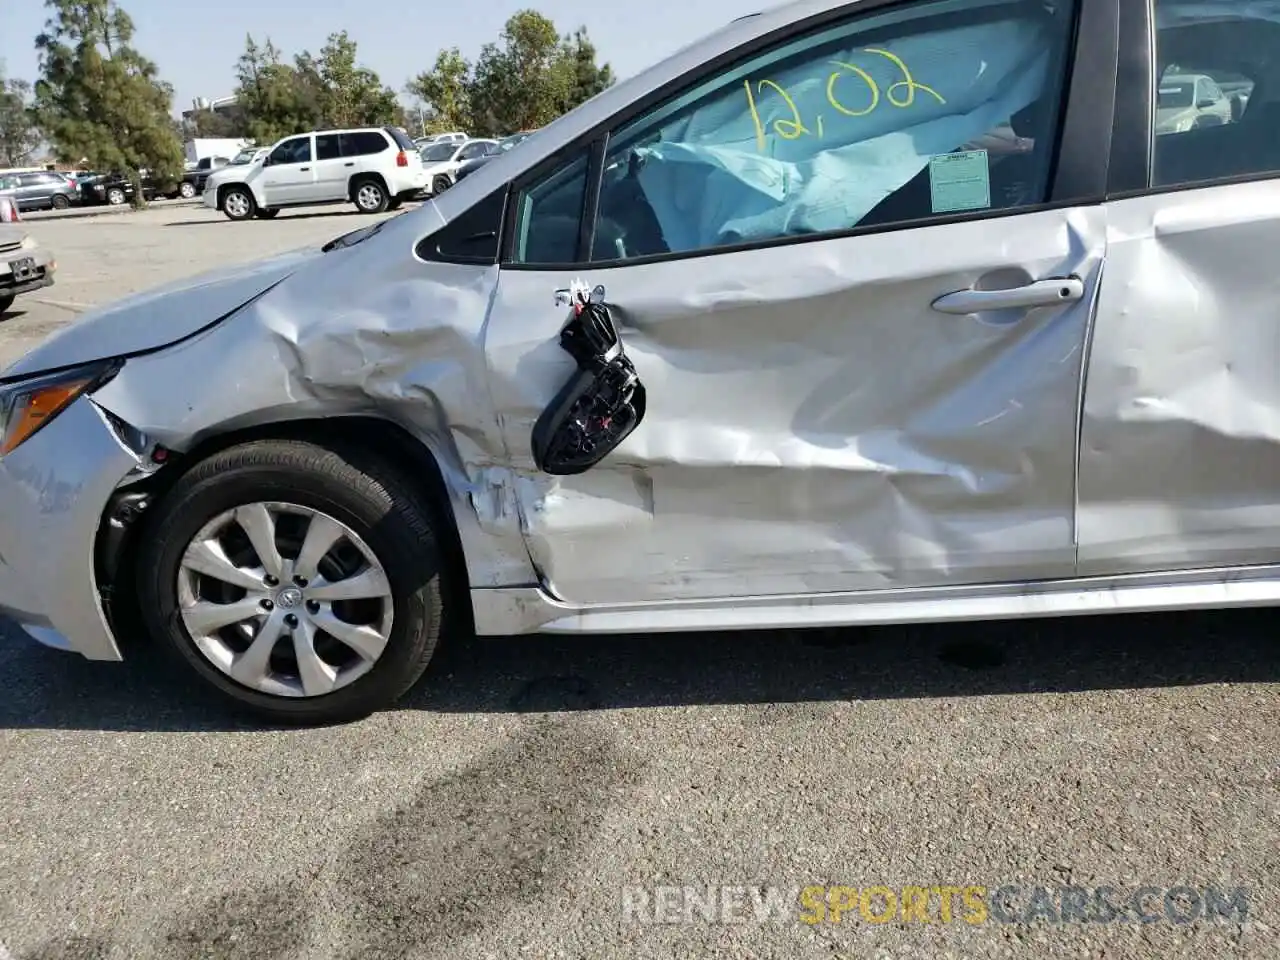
(851, 312)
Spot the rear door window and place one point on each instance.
(1229, 55)
(328, 146)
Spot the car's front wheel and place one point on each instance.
(115, 196)
(186, 190)
(301, 581)
(238, 204)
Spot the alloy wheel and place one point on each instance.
(236, 204)
(285, 599)
(368, 197)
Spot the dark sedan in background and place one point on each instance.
(116, 188)
(39, 190)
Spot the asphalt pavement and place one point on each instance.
(650, 797)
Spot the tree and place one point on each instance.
(520, 82)
(98, 99)
(587, 78)
(445, 90)
(19, 135)
(523, 81)
(349, 95)
(271, 95)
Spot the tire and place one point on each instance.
(370, 196)
(59, 201)
(440, 184)
(238, 203)
(266, 213)
(356, 489)
(6, 301)
(186, 190)
(115, 196)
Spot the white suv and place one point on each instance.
(376, 168)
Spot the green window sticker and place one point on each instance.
(960, 181)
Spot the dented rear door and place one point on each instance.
(1180, 455)
(882, 392)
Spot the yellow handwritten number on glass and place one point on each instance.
(908, 81)
(866, 78)
(791, 129)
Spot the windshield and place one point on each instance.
(1176, 94)
(244, 156)
(439, 151)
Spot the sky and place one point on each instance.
(196, 45)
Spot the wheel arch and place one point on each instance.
(117, 540)
(359, 178)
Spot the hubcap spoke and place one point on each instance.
(254, 665)
(208, 557)
(323, 533)
(369, 584)
(204, 617)
(260, 526)
(366, 641)
(317, 676)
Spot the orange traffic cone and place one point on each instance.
(8, 210)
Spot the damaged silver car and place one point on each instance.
(871, 312)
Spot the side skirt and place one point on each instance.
(503, 611)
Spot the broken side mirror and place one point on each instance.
(602, 402)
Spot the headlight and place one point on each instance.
(28, 405)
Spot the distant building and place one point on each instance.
(224, 108)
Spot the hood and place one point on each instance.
(159, 317)
(1168, 118)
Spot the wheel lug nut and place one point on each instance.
(313, 606)
(299, 581)
(267, 604)
(291, 620)
(269, 580)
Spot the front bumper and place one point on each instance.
(53, 491)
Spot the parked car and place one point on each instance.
(376, 168)
(193, 180)
(677, 364)
(25, 266)
(503, 145)
(39, 190)
(1190, 101)
(116, 188)
(441, 161)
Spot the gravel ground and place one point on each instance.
(533, 788)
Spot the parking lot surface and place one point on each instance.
(534, 795)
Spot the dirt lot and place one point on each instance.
(534, 795)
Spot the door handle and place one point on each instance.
(1041, 293)
(301, 169)
(351, 164)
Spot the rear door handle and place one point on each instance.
(303, 169)
(1041, 293)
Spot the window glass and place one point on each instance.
(328, 146)
(549, 215)
(1217, 104)
(400, 137)
(297, 150)
(929, 109)
(439, 152)
(363, 143)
